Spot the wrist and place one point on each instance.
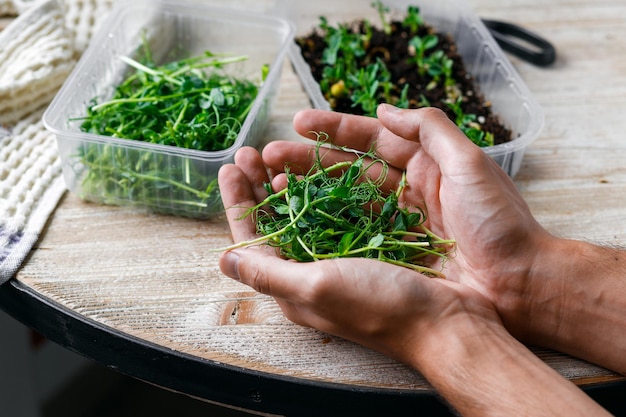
(470, 358)
(574, 301)
(457, 340)
(459, 334)
(533, 310)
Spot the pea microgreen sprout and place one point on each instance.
(419, 45)
(469, 125)
(340, 211)
(366, 84)
(356, 69)
(437, 65)
(189, 103)
(382, 13)
(413, 19)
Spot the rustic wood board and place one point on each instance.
(156, 277)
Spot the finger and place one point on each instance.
(357, 132)
(241, 187)
(440, 138)
(237, 197)
(302, 159)
(251, 164)
(278, 278)
(298, 158)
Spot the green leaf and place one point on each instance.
(340, 192)
(217, 96)
(430, 41)
(390, 207)
(312, 190)
(345, 243)
(413, 220)
(376, 241)
(334, 45)
(400, 224)
(350, 176)
(282, 209)
(296, 204)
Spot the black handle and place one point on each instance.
(506, 34)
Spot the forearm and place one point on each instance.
(579, 303)
(481, 370)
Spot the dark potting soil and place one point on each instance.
(393, 50)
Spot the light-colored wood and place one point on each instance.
(156, 277)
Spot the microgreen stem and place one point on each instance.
(191, 103)
(181, 115)
(281, 193)
(155, 179)
(418, 268)
(322, 215)
(147, 70)
(148, 99)
(214, 63)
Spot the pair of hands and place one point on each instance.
(509, 280)
(388, 308)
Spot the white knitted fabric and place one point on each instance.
(37, 56)
(83, 18)
(37, 52)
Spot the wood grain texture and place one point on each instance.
(156, 277)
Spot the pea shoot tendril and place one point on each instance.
(340, 211)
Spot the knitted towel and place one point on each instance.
(37, 56)
(37, 52)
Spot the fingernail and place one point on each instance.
(229, 264)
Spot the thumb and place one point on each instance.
(263, 271)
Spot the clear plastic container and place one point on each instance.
(189, 188)
(497, 80)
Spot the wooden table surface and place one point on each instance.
(156, 277)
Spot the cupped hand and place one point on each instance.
(388, 308)
(450, 330)
(466, 195)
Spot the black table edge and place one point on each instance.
(202, 378)
(224, 383)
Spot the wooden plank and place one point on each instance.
(156, 277)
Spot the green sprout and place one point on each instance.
(190, 103)
(439, 65)
(356, 76)
(420, 45)
(413, 19)
(382, 13)
(340, 211)
(366, 86)
(469, 125)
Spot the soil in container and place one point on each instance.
(403, 62)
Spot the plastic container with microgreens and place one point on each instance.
(496, 78)
(108, 167)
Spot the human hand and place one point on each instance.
(388, 308)
(467, 197)
(434, 325)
